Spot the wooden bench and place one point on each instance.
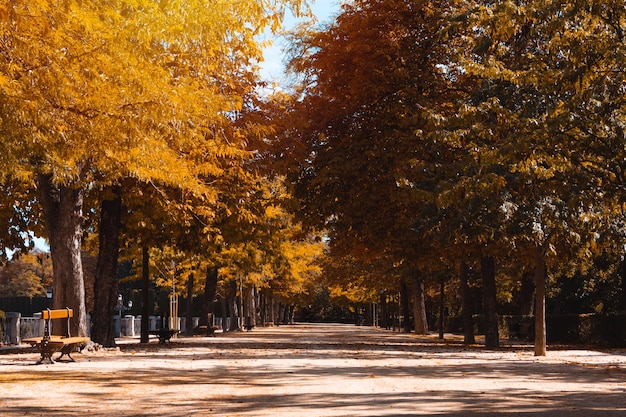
(49, 344)
(164, 335)
(206, 330)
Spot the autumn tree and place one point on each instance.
(95, 92)
(371, 83)
(26, 275)
(551, 92)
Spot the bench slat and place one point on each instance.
(57, 314)
(73, 340)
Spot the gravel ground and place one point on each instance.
(316, 370)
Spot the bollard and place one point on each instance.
(154, 323)
(13, 327)
(129, 325)
(117, 326)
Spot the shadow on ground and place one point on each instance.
(313, 371)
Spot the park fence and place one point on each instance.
(14, 327)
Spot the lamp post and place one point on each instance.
(120, 307)
(49, 297)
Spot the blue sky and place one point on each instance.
(272, 67)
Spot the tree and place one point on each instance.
(550, 107)
(27, 275)
(95, 92)
(370, 83)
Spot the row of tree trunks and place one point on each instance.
(62, 208)
(414, 298)
(492, 339)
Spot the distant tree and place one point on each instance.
(27, 275)
(371, 83)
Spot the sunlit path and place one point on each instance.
(316, 370)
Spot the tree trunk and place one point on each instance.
(488, 270)
(527, 294)
(468, 305)
(258, 306)
(292, 310)
(384, 314)
(540, 302)
(189, 310)
(406, 312)
(263, 308)
(145, 294)
(623, 275)
(419, 305)
(225, 313)
(105, 286)
(271, 317)
(249, 307)
(63, 215)
(442, 306)
(233, 307)
(210, 288)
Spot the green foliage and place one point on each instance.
(426, 133)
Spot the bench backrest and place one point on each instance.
(49, 315)
(57, 314)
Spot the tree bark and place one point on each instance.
(419, 305)
(527, 294)
(189, 310)
(540, 302)
(225, 313)
(210, 288)
(406, 313)
(623, 275)
(442, 306)
(233, 307)
(384, 313)
(250, 306)
(468, 310)
(145, 295)
(488, 270)
(63, 215)
(268, 307)
(263, 308)
(105, 286)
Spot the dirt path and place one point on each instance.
(316, 370)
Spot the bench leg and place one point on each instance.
(67, 350)
(69, 357)
(47, 350)
(45, 357)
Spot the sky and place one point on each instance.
(272, 67)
